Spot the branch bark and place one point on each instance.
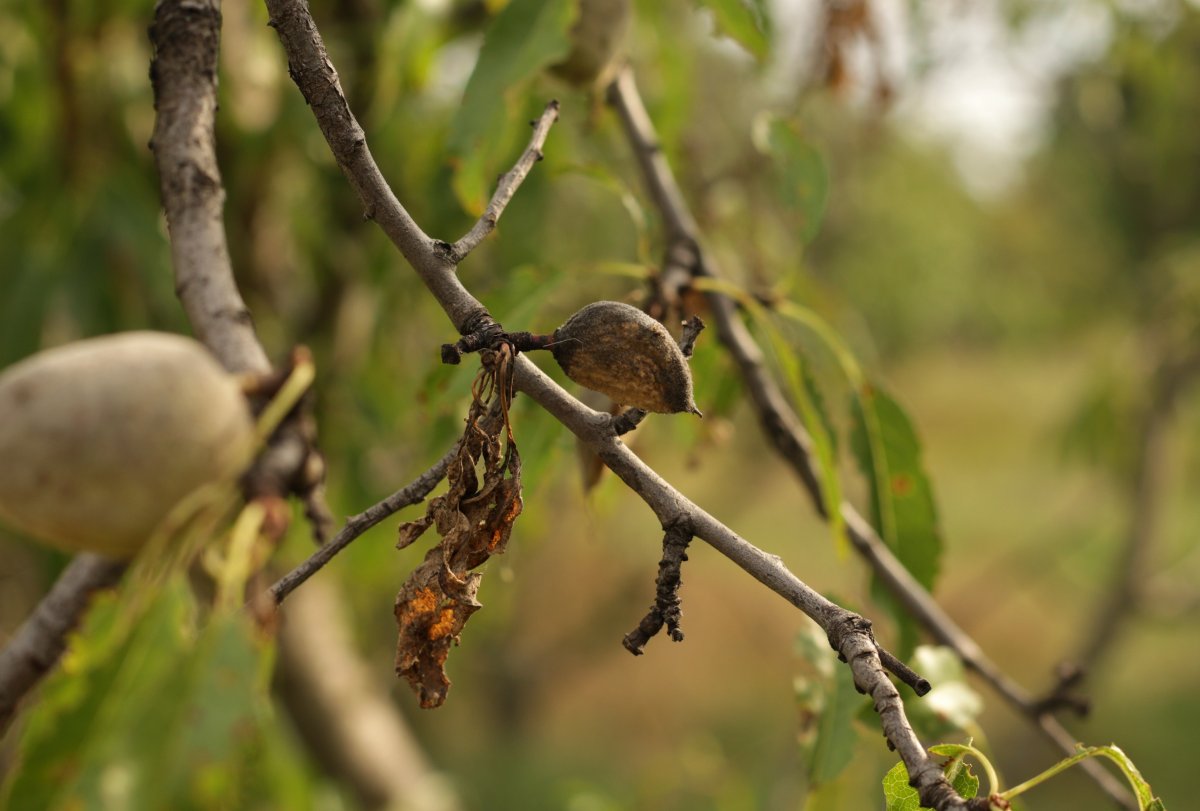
(183, 71)
(312, 71)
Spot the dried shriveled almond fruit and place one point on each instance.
(618, 350)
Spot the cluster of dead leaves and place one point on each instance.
(474, 519)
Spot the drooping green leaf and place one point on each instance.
(525, 37)
(801, 175)
(833, 748)
(798, 386)
(902, 509)
(150, 716)
(886, 448)
(828, 705)
(1141, 789)
(747, 22)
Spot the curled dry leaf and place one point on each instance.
(474, 519)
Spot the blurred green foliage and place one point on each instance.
(1011, 327)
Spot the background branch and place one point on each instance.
(1145, 494)
(786, 434)
(345, 717)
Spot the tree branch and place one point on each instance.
(510, 181)
(783, 428)
(848, 633)
(347, 721)
(1145, 490)
(358, 524)
(183, 71)
(41, 639)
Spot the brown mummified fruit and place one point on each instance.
(618, 350)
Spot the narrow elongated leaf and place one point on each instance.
(799, 386)
(889, 454)
(747, 22)
(801, 176)
(158, 717)
(833, 748)
(527, 36)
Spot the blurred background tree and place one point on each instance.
(1025, 276)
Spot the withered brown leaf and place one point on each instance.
(474, 519)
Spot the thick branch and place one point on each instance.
(783, 428)
(41, 639)
(509, 182)
(358, 524)
(314, 74)
(186, 37)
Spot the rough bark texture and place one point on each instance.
(186, 37)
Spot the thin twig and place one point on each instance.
(509, 182)
(41, 639)
(783, 428)
(358, 524)
(667, 609)
(312, 71)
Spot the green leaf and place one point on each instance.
(148, 716)
(1141, 789)
(744, 21)
(889, 455)
(801, 176)
(836, 737)
(527, 36)
(886, 448)
(798, 385)
(828, 705)
(898, 795)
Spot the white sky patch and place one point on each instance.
(986, 89)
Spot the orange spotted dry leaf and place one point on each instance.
(474, 519)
